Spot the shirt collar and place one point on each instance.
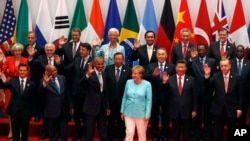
(226, 75)
(163, 63)
(239, 59)
(24, 79)
(182, 77)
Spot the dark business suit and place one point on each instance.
(177, 52)
(181, 105)
(159, 100)
(56, 108)
(95, 105)
(20, 106)
(245, 77)
(224, 105)
(204, 99)
(116, 90)
(142, 54)
(214, 51)
(78, 94)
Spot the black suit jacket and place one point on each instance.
(176, 53)
(56, 104)
(116, 89)
(20, 101)
(95, 99)
(214, 51)
(142, 55)
(232, 100)
(182, 105)
(197, 72)
(245, 77)
(156, 81)
(77, 75)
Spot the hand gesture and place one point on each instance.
(1, 73)
(6, 46)
(136, 44)
(46, 77)
(62, 41)
(193, 52)
(31, 51)
(96, 42)
(165, 77)
(57, 59)
(224, 56)
(156, 72)
(90, 69)
(207, 70)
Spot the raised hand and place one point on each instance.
(31, 51)
(6, 46)
(57, 59)
(46, 77)
(165, 77)
(90, 68)
(224, 56)
(136, 44)
(193, 52)
(156, 71)
(96, 42)
(62, 41)
(207, 70)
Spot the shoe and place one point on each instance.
(155, 139)
(164, 139)
(76, 137)
(43, 136)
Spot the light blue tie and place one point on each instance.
(161, 70)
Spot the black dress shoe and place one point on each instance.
(155, 139)
(43, 136)
(76, 137)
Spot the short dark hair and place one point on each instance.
(223, 29)
(23, 65)
(86, 45)
(150, 31)
(181, 61)
(118, 53)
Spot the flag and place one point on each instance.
(149, 21)
(220, 19)
(95, 25)
(166, 27)
(61, 23)
(79, 20)
(183, 21)
(8, 23)
(7, 26)
(248, 31)
(43, 29)
(203, 31)
(113, 20)
(238, 28)
(129, 31)
(24, 23)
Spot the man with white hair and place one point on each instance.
(108, 50)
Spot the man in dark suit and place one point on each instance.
(182, 50)
(182, 96)
(96, 105)
(20, 107)
(145, 53)
(222, 48)
(40, 62)
(78, 93)
(241, 66)
(57, 104)
(204, 99)
(154, 74)
(226, 104)
(117, 76)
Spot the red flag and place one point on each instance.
(203, 32)
(238, 29)
(183, 21)
(166, 27)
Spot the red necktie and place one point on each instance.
(184, 50)
(222, 52)
(180, 86)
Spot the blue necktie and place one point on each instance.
(161, 70)
(239, 67)
(56, 85)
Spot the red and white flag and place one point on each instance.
(238, 29)
(202, 30)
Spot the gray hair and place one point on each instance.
(185, 30)
(49, 45)
(113, 30)
(17, 46)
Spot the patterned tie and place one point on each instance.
(226, 83)
(180, 86)
(74, 49)
(56, 85)
(239, 67)
(50, 61)
(117, 75)
(184, 53)
(222, 52)
(161, 70)
(22, 86)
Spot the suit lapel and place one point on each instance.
(17, 86)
